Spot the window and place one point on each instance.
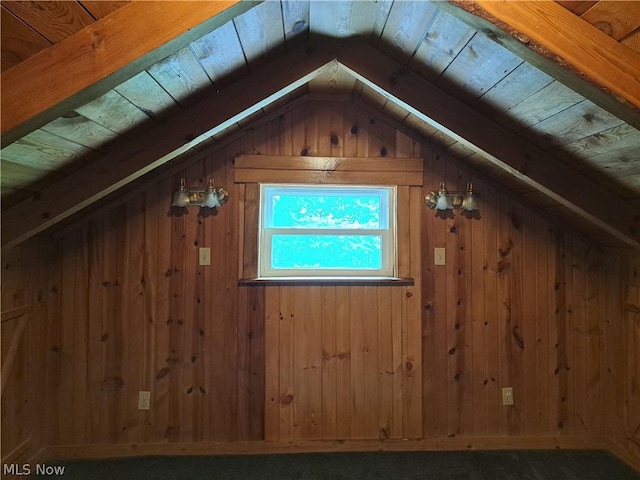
(327, 231)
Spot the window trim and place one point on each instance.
(389, 268)
(249, 170)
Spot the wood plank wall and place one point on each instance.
(122, 307)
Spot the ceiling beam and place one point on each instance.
(562, 45)
(493, 142)
(102, 55)
(163, 143)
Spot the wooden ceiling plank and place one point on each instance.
(295, 20)
(220, 54)
(102, 55)
(47, 151)
(633, 41)
(570, 125)
(19, 41)
(344, 19)
(146, 94)
(83, 131)
(55, 21)
(101, 8)
(182, 77)
(163, 143)
(617, 19)
(497, 145)
(618, 145)
(546, 102)
(445, 38)
(261, 32)
(562, 45)
(15, 174)
(577, 6)
(516, 87)
(473, 72)
(406, 28)
(116, 113)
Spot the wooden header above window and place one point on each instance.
(327, 170)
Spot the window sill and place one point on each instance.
(336, 281)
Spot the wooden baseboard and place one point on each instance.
(16, 455)
(85, 452)
(623, 454)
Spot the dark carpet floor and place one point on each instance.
(493, 465)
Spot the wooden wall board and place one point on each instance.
(127, 308)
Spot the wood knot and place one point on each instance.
(286, 400)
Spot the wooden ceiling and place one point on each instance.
(29, 27)
(566, 140)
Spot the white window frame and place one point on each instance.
(389, 268)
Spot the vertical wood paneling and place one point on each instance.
(330, 359)
(385, 363)
(542, 326)
(594, 333)
(124, 307)
(343, 370)
(479, 375)
(412, 382)
(272, 363)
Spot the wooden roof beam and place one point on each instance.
(102, 55)
(562, 45)
(163, 143)
(505, 149)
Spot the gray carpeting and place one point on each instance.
(493, 465)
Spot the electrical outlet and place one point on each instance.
(144, 400)
(204, 256)
(507, 396)
(439, 256)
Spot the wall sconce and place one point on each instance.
(444, 200)
(200, 197)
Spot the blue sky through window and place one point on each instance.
(326, 211)
(326, 228)
(346, 252)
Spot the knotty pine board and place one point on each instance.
(123, 307)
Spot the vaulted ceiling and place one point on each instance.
(543, 98)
